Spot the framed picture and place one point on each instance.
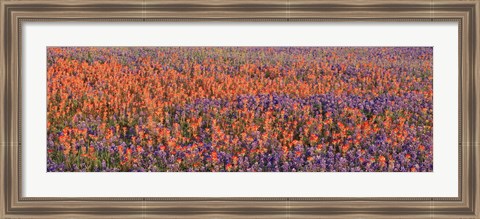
(261, 109)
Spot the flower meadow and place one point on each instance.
(239, 109)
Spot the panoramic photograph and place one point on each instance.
(239, 109)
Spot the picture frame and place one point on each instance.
(15, 13)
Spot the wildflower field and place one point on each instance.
(240, 109)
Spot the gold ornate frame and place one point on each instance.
(13, 13)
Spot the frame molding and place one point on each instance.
(14, 12)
